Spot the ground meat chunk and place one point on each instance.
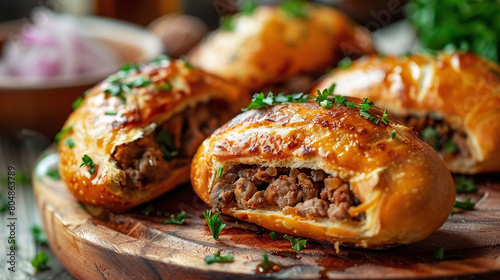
(283, 191)
(221, 195)
(243, 190)
(257, 201)
(134, 178)
(312, 208)
(339, 212)
(229, 177)
(331, 184)
(151, 163)
(318, 175)
(266, 175)
(309, 189)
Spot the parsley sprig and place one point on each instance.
(87, 161)
(294, 8)
(465, 185)
(298, 244)
(364, 108)
(466, 205)
(218, 258)
(439, 255)
(261, 101)
(214, 223)
(39, 235)
(178, 218)
(39, 262)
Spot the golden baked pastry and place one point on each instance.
(134, 134)
(332, 175)
(273, 48)
(452, 100)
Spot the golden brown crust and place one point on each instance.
(405, 189)
(97, 133)
(269, 46)
(461, 88)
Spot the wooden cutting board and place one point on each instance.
(95, 244)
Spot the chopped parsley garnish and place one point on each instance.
(345, 63)
(87, 161)
(273, 235)
(429, 133)
(110, 113)
(167, 145)
(140, 81)
(77, 103)
(466, 205)
(164, 87)
(187, 64)
(53, 174)
(218, 258)
(214, 223)
(261, 101)
(265, 262)
(116, 91)
(127, 67)
(60, 134)
(294, 8)
(248, 7)
(439, 255)
(393, 134)
(70, 143)
(465, 185)
(39, 262)
(324, 101)
(219, 172)
(298, 244)
(450, 146)
(39, 235)
(227, 23)
(384, 117)
(177, 219)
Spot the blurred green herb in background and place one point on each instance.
(466, 25)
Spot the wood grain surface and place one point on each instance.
(95, 244)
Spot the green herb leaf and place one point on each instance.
(429, 133)
(53, 174)
(439, 254)
(369, 116)
(87, 161)
(70, 143)
(261, 101)
(218, 258)
(384, 117)
(450, 146)
(177, 218)
(248, 7)
(465, 185)
(264, 264)
(294, 8)
(164, 87)
(39, 262)
(340, 100)
(77, 103)
(127, 67)
(110, 113)
(345, 63)
(351, 105)
(139, 82)
(467, 25)
(167, 145)
(298, 244)
(214, 223)
(325, 93)
(273, 235)
(393, 134)
(227, 23)
(326, 103)
(39, 235)
(219, 172)
(466, 205)
(61, 133)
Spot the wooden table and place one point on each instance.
(22, 153)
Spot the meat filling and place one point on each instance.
(304, 192)
(440, 135)
(172, 145)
